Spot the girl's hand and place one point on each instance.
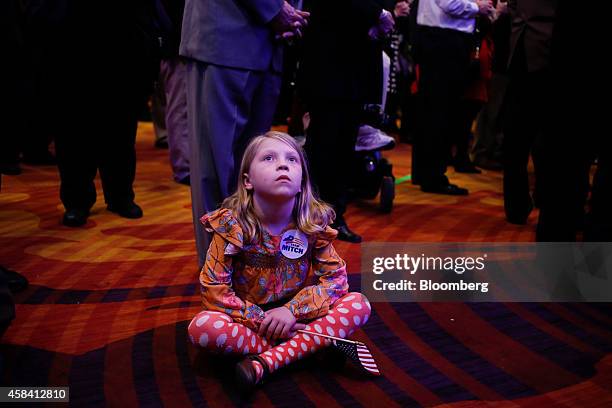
(295, 328)
(278, 324)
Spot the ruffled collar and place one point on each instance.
(224, 223)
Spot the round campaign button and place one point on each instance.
(294, 244)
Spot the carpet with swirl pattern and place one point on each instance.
(108, 305)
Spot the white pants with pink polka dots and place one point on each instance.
(218, 333)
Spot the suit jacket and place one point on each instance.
(534, 21)
(340, 62)
(11, 32)
(232, 33)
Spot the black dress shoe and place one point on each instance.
(75, 217)
(345, 234)
(448, 189)
(129, 210)
(15, 281)
(245, 375)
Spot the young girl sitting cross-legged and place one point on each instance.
(271, 268)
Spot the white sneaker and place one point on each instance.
(370, 138)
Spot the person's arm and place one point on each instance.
(459, 8)
(216, 286)
(314, 301)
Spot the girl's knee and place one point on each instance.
(354, 308)
(355, 299)
(362, 298)
(207, 326)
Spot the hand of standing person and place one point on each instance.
(485, 7)
(402, 9)
(289, 21)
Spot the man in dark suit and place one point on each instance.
(546, 110)
(530, 114)
(233, 81)
(443, 46)
(340, 71)
(528, 101)
(99, 59)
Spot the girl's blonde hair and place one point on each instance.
(310, 214)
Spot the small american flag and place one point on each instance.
(359, 354)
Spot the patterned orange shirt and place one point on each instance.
(239, 278)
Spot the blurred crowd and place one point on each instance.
(472, 84)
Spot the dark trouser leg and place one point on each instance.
(521, 124)
(173, 73)
(77, 155)
(566, 150)
(330, 146)
(41, 94)
(12, 118)
(489, 134)
(444, 60)
(77, 168)
(468, 112)
(117, 143)
(159, 105)
(226, 108)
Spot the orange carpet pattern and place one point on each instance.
(108, 304)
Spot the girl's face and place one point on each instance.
(276, 171)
